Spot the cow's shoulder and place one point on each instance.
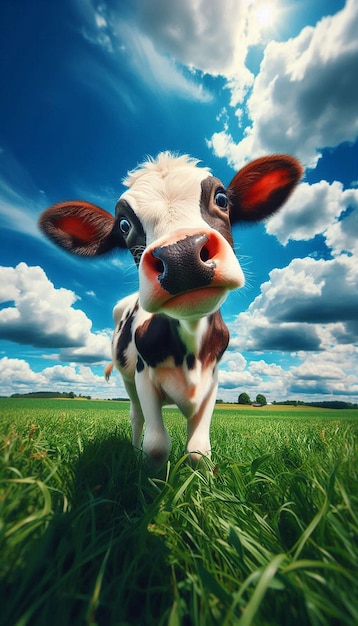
(124, 307)
(125, 315)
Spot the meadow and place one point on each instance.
(265, 534)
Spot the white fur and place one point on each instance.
(165, 194)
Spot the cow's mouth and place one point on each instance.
(195, 303)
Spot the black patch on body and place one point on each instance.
(140, 364)
(158, 339)
(125, 336)
(190, 361)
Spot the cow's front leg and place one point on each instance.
(198, 443)
(136, 414)
(156, 442)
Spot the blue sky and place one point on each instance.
(90, 88)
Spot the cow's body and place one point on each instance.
(176, 220)
(163, 360)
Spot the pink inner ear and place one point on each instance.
(77, 228)
(259, 192)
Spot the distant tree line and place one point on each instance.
(244, 398)
(333, 404)
(324, 404)
(49, 394)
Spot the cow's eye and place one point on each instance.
(221, 199)
(124, 225)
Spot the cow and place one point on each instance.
(176, 219)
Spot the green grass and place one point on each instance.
(266, 534)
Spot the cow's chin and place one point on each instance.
(193, 304)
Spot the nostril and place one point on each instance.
(204, 254)
(158, 262)
(153, 266)
(159, 266)
(209, 251)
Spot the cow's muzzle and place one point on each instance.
(199, 264)
(186, 264)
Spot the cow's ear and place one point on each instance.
(80, 227)
(262, 186)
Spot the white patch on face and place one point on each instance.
(165, 195)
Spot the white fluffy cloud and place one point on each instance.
(296, 301)
(333, 372)
(35, 313)
(305, 96)
(16, 374)
(311, 291)
(262, 368)
(343, 236)
(234, 373)
(209, 36)
(17, 377)
(315, 209)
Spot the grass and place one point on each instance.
(265, 534)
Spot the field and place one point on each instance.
(265, 535)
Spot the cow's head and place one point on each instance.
(176, 220)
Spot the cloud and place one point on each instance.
(206, 35)
(82, 375)
(116, 32)
(17, 377)
(262, 368)
(19, 198)
(171, 45)
(305, 96)
(158, 71)
(209, 36)
(96, 348)
(333, 372)
(283, 337)
(16, 373)
(35, 313)
(303, 307)
(343, 236)
(233, 373)
(233, 380)
(315, 209)
(313, 292)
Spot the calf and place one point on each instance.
(175, 218)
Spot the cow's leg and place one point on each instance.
(156, 442)
(198, 428)
(136, 414)
(137, 421)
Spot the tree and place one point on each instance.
(260, 399)
(244, 398)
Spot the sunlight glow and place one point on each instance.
(266, 15)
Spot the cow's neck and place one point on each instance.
(192, 332)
